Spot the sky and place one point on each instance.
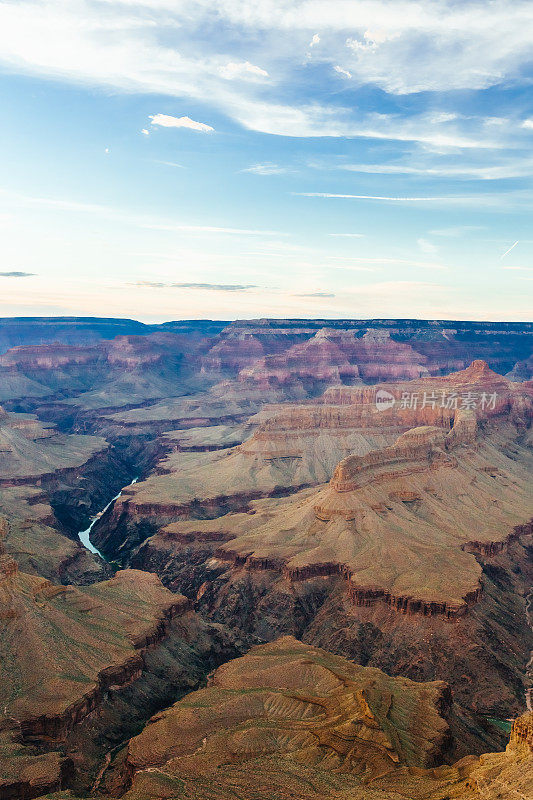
(184, 159)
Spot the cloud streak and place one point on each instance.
(508, 251)
(211, 287)
(118, 215)
(265, 169)
(166, 121)
(482, 200)
(316, 294)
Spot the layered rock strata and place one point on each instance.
(292, 719)
(294, 446)
(419, 501)
(65, 652)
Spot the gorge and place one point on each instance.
(189, 513)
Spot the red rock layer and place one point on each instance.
(338, 357)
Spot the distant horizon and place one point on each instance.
(436, 320)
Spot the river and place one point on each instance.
(85, 536)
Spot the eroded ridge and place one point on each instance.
(62, 650)
(293, 700)
(400, 524)
(289, 719)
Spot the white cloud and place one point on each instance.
(528, 123)
(169, 164)
(512, 247)
(443, 116)
(354, 235)
(359, 46)
(495, 201)
(146, 132)
(244, 70)
(516, 168)
(314, 120)
(342, 71)
(427, 247)
(315, 40)
(384, 198)
(160, 47)
(265, 169)
(166, 121)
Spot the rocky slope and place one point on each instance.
(398, 548)
(30, 450)
(68, 653)
(107, 374)
(293, 720)
(49, 482)
(82, 359)
(293, 446)
(37, 543)
(442, 346)
(333, 357)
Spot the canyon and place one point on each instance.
(307, 551)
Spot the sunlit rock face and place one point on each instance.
(289, 718)
(403, 544)
(420, 501)
(70, 652)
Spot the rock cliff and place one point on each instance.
(69, 652)
(289, 719)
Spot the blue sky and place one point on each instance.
(324, 158)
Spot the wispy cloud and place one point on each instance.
(516, 168)
(214, 287)
(243, 70)
(16, 274)
(342, 71)
(128, 218)
(159, 47)
(486, 200)
(169, 164)
(508, 251)
(388, 261)
(336, 196)
(170, 226)
(316, 294)
(457, 230)
(427, 247)
(265, 169)
(348, 235)
(166, 121)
